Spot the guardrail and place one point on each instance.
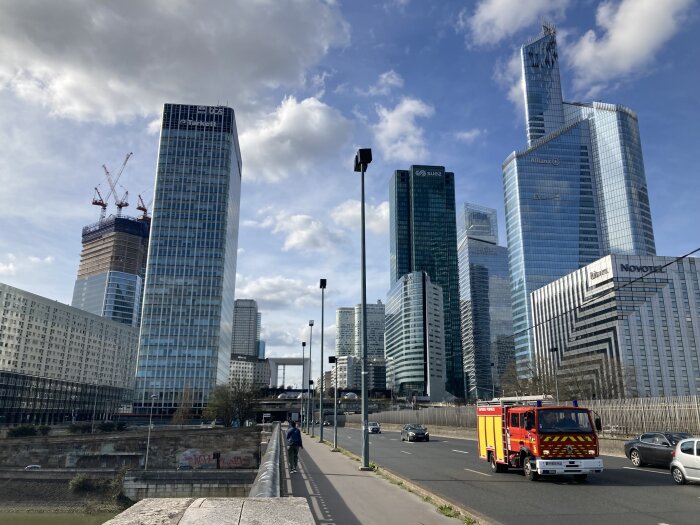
(267, 482)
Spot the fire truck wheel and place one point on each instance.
(580, 478)
(496, 467)
(530, 473)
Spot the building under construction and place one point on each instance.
(112, 268)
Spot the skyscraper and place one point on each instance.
(577, 192)
(485, 302)
(185, 340)
(344, 331)
(112, 268)
(246, 328)
(423, 237)
(415, 345)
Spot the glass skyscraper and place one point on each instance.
(423, 237)
(577, 192)
(185, 340)
(485, 302)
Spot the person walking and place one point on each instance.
(293, 445)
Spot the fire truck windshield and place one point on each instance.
(563, 420)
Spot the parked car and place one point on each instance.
(32, 467)
(350, 395)
(653, 448)
(374, 428)
(184, 467)
(686, 461)
(414, 432)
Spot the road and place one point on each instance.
(451, 468)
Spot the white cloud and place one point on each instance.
(495, 20)
(386, 82)
(469, 136)
(632, 33)
(277, 292)
(293, 139)
(398, 136)
(301, 232)
(111, 61)
(348, 214)
(8, 268)
(509, 76)
(23, 264)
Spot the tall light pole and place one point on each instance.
(493, 385)
(554, 351)
(309, 403)
(94, 406)
(301, 408)
(150, 424)
(362, 158)
(322, 286)
(334, 361)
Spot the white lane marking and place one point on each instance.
(460, 451)
(645, 470)
(394, 439)
(404, 452)
(477, 472)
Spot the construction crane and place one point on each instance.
(143, 207)
(122, 202)
(97, 200)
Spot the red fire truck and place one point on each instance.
(540, 438)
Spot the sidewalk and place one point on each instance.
(339, 493)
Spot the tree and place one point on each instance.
(231, 402)
(183, 414)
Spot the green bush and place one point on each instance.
(106, 426)
(44, 430)
(81, 483)
(121, 426)
(22, 430)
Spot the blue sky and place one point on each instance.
(82, 83)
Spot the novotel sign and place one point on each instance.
(641, 269)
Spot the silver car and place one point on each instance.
(414, 432)
(686, 461)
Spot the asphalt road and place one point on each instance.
(451, 468)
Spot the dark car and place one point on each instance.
(653, 448)
(413, 432)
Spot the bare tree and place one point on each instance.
(233, 402)
(183, 414)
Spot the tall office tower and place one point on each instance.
(185, 340)
(415, 337)
(577, 191)
(344, 331)
(246, 328)
(112, 267)
(485, 302)
(375, 331)
(424, 238)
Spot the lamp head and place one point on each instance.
(322, 284)
(362, 158)
(303, 344)
(311, 322)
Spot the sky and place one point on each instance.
(83, 83)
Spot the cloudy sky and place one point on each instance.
(83, 82)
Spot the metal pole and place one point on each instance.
(301, 407)
(555, 352)
(148, 440)
(365, 389)
(94, 406)
(493, 385)
(320, 393)
(310, 403)
(335, 409)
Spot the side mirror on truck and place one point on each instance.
(598, 424)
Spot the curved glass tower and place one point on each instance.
(576, 193)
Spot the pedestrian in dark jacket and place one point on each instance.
(293, 445)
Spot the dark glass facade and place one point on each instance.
(423, 237)
(576, 193)
(185, 340)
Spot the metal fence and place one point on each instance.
(620, 417)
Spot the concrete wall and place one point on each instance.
(139, 485)
(194, 446)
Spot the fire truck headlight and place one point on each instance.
(545, 452)
(591, 452)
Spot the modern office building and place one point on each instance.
(485, 302)
(576, 193)
(59, 363)
(344, 331)
(622, 326)
(249, 370)
(423, 238)
(415, 338)
(112, 268)
(349, 371)
(185, 340)
(246, 328)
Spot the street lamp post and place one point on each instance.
(362, 159)
(94, 406)
(334, 361)
(493, 385)
(301, 408)
(322, 285)
(148, 440)
(309, 403)
(555, 352)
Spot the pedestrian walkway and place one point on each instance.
(340, 494)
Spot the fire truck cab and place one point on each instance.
(541, 439)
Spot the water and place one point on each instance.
(53, 518)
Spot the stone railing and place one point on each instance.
(267, 482)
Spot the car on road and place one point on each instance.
(653, 448)
(350, 395)
(32, 467)
(686, 461)
(414, 432)
(374, 428)
(184, 467)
